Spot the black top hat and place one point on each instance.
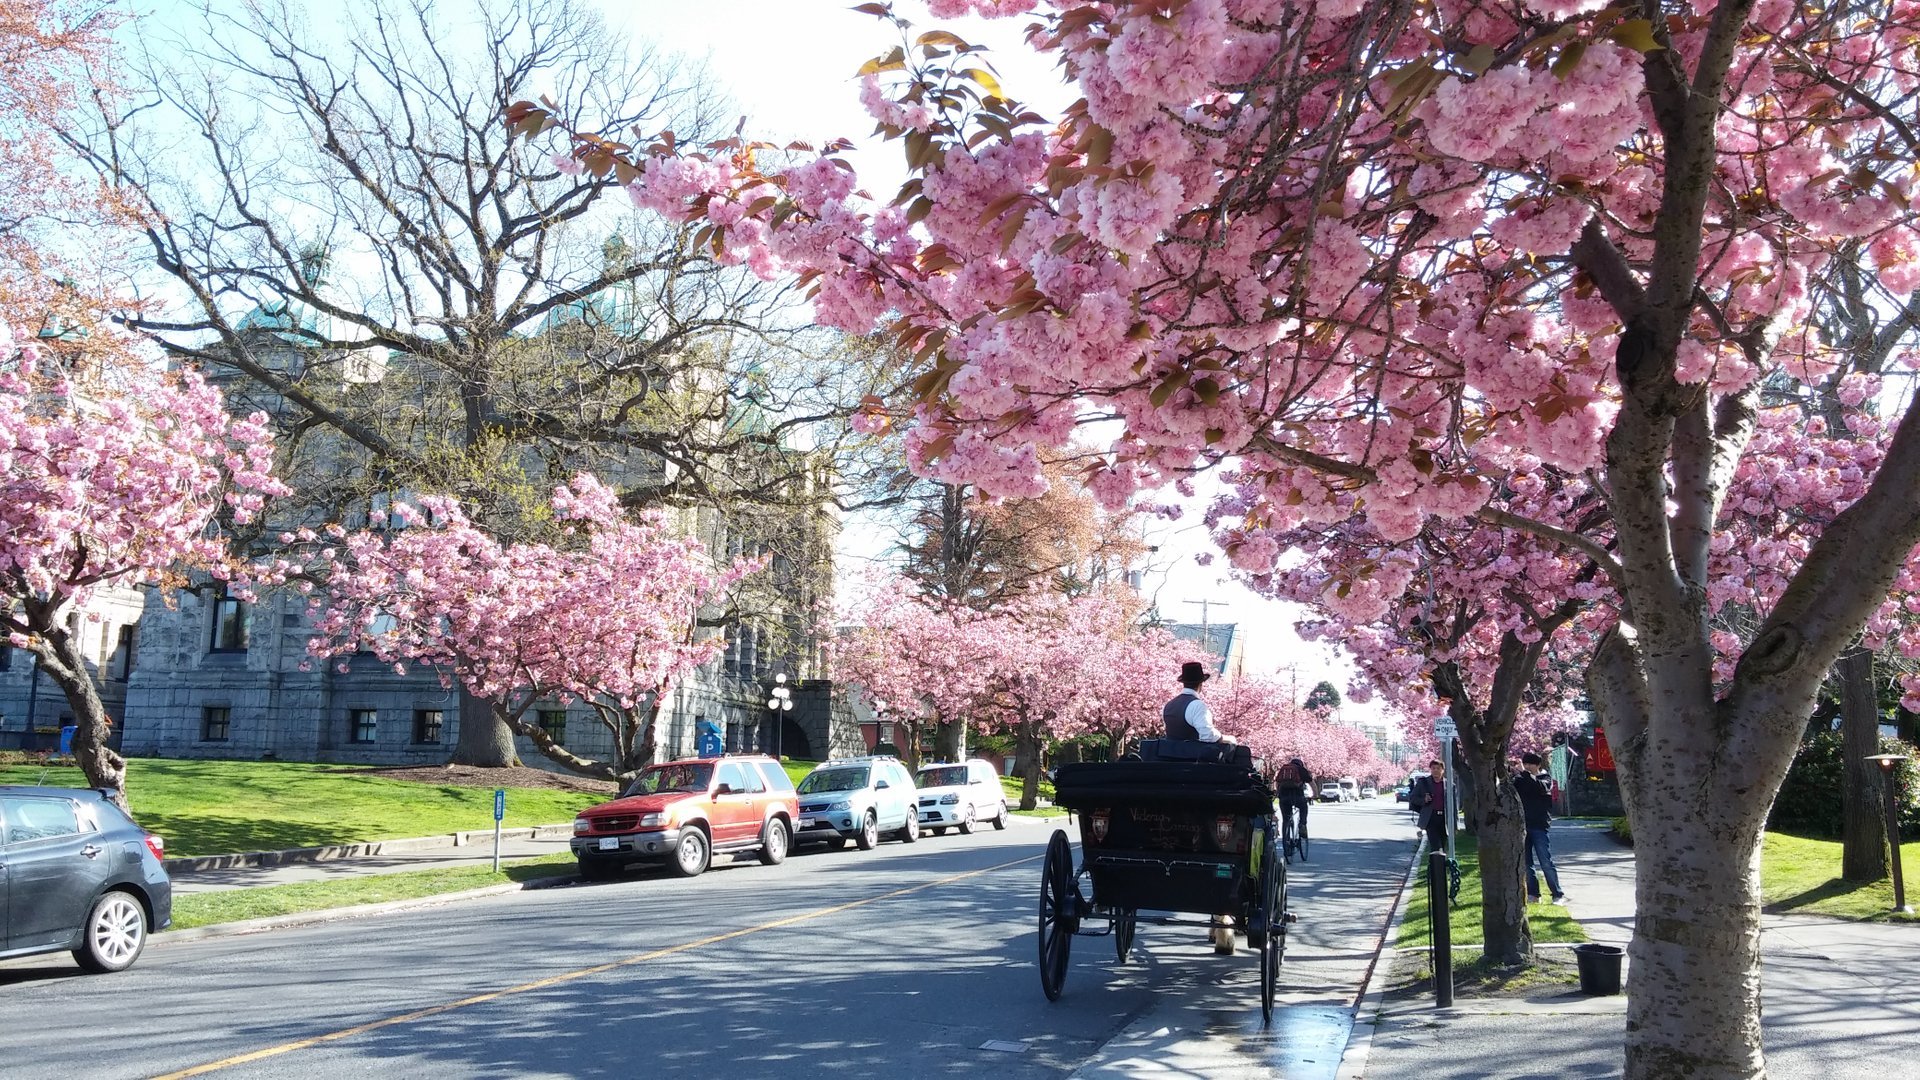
(1193, 671)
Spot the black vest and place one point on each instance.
(1174, 715)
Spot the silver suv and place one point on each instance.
(858, 799)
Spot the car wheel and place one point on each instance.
(114, 934)
(773, 843)
(966, 824)
(911, 830)
(1000, 819)
(869, 833)
(939, 830)
(691, 855)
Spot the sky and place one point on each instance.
(789, 66)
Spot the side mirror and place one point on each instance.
(879, 784)
(724, 789)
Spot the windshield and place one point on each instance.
(948, 777)
(681, 776)
(833, 780)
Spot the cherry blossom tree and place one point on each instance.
(123, 481)
(611, 622)
(1376, 252)
(928, 659)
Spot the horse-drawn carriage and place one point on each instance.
(1194, 837)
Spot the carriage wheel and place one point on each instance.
(1273, 893)
(1123, 924)
(1058, 920)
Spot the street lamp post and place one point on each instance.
(1887, 762)
(780, 704)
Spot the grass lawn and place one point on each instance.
(1549, 922)
(233, 905)
(221, 807)
(1802, 877)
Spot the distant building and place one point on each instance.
(1222, 641)
(219, 677)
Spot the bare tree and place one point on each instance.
(348, 234)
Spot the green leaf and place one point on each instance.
(1569, 59)
(1635, 34)
(1480, 59)
(1167, 388)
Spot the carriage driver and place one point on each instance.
(1187, 715)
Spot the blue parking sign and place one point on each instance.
(499, 803)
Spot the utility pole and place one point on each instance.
(1206, 633)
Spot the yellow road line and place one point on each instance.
(570, 976)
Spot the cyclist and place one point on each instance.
(1295, 788)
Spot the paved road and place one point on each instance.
(914, 960)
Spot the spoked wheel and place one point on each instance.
(1123, 925)
(1058, 919)
(1272, 941)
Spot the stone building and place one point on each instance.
(218, 677)
(33, 708)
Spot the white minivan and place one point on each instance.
(1349, 789)
(957, 795)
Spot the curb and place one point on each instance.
(1367, 1006)
(191, 863)
(353, 911)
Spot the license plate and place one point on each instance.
(609, 843)
(807, 823)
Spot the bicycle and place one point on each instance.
(1291, 844)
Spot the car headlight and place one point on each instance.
(581, 825)
(843, 804)
(652, 821)
(950, 800)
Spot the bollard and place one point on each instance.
(1440, 921)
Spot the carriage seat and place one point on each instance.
(1195, 750)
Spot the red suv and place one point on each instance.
(685, 812)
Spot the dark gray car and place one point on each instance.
(77, 874)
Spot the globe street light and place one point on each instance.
(1887, 762)
(780, 704)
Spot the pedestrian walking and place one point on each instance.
(1428, 799)
(1536, 801)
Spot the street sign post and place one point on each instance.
(499, 814)
(1447, 731)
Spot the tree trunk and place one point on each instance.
(60, 658)
(1693, 1007)
(1027, 748)
(1693, 995)
(1495, 818)
(1863, 824)
(950, 740)
(485, 741)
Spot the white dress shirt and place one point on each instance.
(1200, 717)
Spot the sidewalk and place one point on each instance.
(213, 873)
(1837, 997)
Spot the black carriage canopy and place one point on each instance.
(1235, 789)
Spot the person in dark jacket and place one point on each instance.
(1536, 800)
(1428, 801)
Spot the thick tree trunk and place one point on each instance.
(1863, 824)
(485, 741)
(950, 741)
(1493, 811)
(1693, 1006)
(1692, 795)
(1027, 749)
(60, 658)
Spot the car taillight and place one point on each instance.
(157, 846)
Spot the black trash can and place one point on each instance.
(1599, 968)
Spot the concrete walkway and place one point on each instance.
(1838, 1000)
